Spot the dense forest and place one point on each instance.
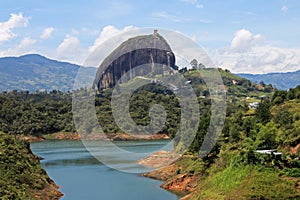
(22, 177)
(275, 122)
(45, 113)
(42, 112)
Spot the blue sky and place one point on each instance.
(242, 35)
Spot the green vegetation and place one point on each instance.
(246, 182)
(34, 72)
(236, 171)
(232, 170)
(35, 113)
(49, 112)
(21, 174)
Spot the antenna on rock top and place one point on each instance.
(155, 31)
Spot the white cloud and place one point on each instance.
(26, 42)
(284, 8)
(47, 33)
(107, 33)
(196, 3)
(15, 21)
(255, 57)
(24, 47)
(244, 40)
(70, 49)
(265, 59)
(261, 59)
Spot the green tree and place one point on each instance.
(234, 133)
(248, 124)
(262, 112)
(283, 117)
(266, 138)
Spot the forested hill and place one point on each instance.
(38, 113)
(282, 81)
(232, 170)
(35, 72)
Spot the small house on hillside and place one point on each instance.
(253, 105)
(270, 152)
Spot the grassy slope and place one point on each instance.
(246, 182)
(224, 181)
(240, 89)
(21, 174)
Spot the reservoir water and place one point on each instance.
(81, 176)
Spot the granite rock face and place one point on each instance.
(130, 57)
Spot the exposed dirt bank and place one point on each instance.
(174, 181)
(78, 136)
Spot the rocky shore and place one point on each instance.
(49, 192)
(179, 183)
(78, 136)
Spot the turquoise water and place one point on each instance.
(81, 176)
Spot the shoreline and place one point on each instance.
(92, 137)
(181, 184)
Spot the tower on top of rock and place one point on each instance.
(155, 31)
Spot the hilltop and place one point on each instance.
(34, 72)
(282, 81)
(136, 56)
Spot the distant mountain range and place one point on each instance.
(35, 72)
(281, 81)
